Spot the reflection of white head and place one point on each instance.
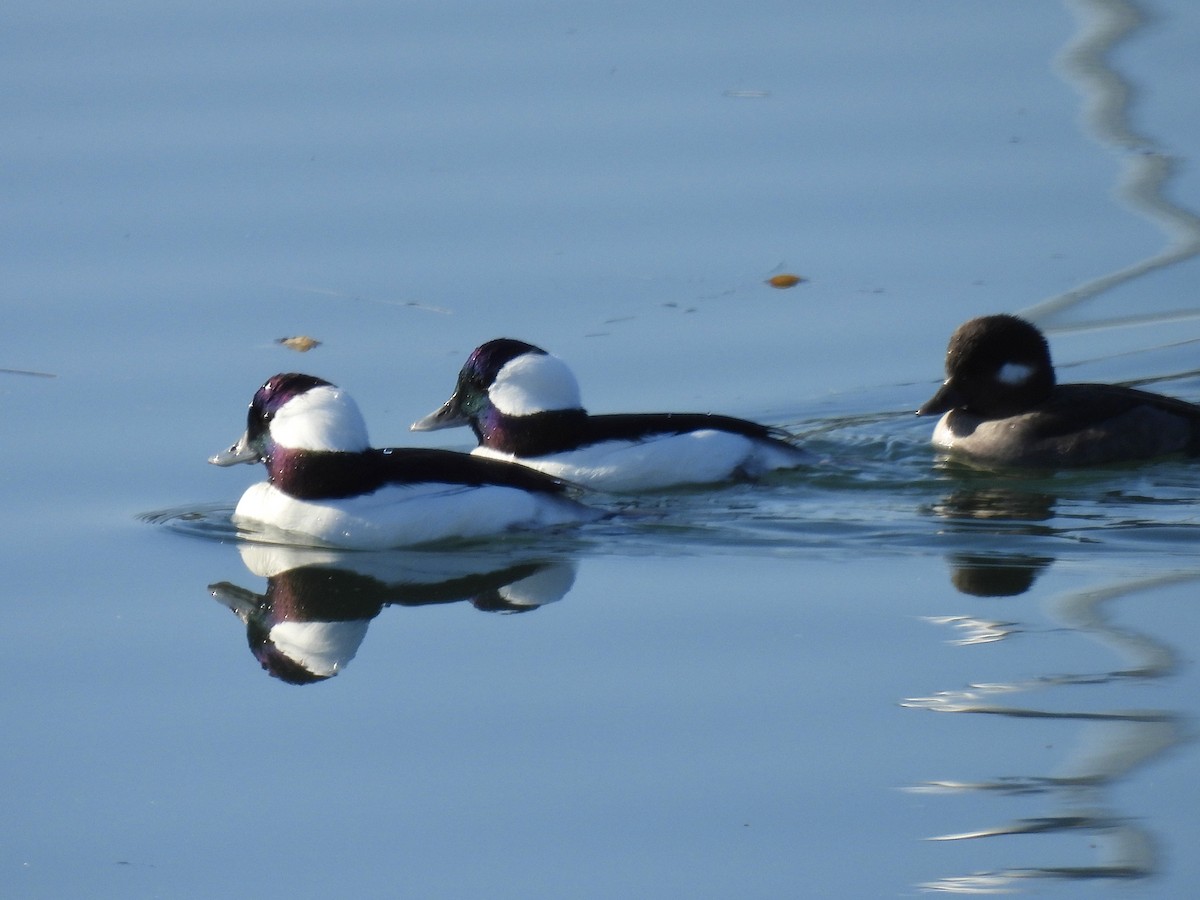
(533, 383)
(542, 587)
(323, 648)
(322, 418)
(1014, 373)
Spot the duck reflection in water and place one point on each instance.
(977, 510)
(998, 506)
(996, 575)
(314, 615)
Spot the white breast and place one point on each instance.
(943, 435)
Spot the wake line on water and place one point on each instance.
(1109, 98)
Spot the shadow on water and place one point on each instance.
(1111, 743)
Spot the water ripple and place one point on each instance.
(1109, 99)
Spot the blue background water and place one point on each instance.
(735, 695)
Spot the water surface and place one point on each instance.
(739, 692)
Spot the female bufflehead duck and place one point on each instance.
(1002, 406)
(523, 404)
(327, 485)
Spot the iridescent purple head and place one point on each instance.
(299, 412)
(505, 378)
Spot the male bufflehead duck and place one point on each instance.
(523, 404)
(326, 485)
(1002, 406)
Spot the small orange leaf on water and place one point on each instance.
(300, 343)
(785, 280)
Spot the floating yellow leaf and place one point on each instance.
(300, 343)
(785, 280)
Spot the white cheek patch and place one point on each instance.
(324, 418)
(533, 383)
(1014, 374)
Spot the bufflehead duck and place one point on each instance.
(326, 485)
(523, 404)
(1003, 407)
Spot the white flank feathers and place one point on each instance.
(670, 460)
(402, 515)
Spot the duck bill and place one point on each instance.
(946, 399)
(448, 416)
(241, 452)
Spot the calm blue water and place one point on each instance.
(742, 692)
